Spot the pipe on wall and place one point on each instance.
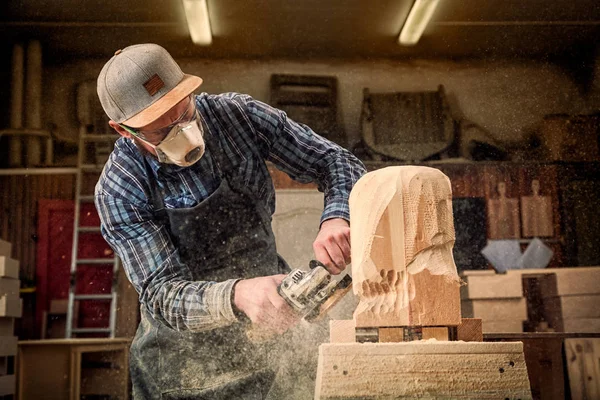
(33, 100)
(15, 143)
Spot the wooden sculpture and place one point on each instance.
(407, 339)
(402, 238)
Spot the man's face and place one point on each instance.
(159, 129)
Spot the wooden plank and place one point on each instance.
(474, 370)
(5, 248)
(11, 306)
(7, 326)
(545, 367)
(128, 307)
(536, 213)
(9, 268)
(470, 330)
(9, 286)
(391, 335)
(492, 286)
(581, 325)
(570, 282)
(495, 309)
(8, 385)
(555, 309)
(437, 333)
(503, 216)
(583, 365)
(8, 346)
(502, 326)
(342, 331)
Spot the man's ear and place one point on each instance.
(120, 130)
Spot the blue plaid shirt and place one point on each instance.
(242, 125)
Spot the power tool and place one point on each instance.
(312, 293)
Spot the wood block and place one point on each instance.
(7, 326)
(436, 303)
(506, 326)
(474, 370)
(342, 331)
(8, 346)
(492, 286)
(9, 268)
(10, 306)
(470, 330)
(5, 248)
(555, 309)
(583, 365)
(581, 325)
(495, 309)
(9, 286)
(8, 385)
(437, 333)
(388, 335)
(570, 282)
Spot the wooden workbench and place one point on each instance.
(69, 368)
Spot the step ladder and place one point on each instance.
(100, 145)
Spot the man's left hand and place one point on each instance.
(332, 245)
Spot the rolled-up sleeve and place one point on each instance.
(305, 156)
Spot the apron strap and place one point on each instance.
(156, 197)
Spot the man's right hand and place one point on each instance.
(259, 300)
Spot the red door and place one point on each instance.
(55, 233)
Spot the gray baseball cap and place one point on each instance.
(142, 82)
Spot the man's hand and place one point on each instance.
(259, 300)
(332, 245)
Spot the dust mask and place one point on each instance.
(183, 146)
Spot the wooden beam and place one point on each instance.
(437, 333)
(342, 331)
(475, 370)
(495, 309)
(470, 330)
(390, 335)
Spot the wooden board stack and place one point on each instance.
(10, 308)
(570, 298)
(495, 298)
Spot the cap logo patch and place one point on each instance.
(154, 84)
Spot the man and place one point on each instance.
(186, 200)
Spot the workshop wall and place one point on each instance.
(506, 97)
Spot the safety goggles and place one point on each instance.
(156, 136)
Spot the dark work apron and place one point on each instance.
(228, 235)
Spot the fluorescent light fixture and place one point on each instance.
(196, 12)
(417, 20)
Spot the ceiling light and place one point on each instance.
(417, 20)
(196, 12)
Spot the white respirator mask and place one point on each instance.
(183, 146)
